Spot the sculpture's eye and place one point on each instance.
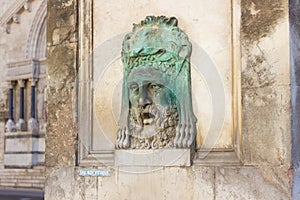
(134, 88)
(155, 87)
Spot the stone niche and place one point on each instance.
(214, 79)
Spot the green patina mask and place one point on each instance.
(156, 100)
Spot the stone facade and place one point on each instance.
(261, 170)
(22, 49)
(254, 162)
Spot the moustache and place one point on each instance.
(149, 115)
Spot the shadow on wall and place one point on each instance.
(294, 8)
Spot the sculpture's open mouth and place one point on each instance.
(148, 118)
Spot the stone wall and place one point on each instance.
(266, 157)
(61, 88)
(265, 82)
(3, 117)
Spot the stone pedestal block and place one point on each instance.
(24, 149)
(156, 158)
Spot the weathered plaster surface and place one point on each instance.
(61, 72)
(265, 82)
(251, 183)
(266, 125)
(173, 183)
(259, 18)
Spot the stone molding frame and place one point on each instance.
(26, 69)
(88, 157)
(85, 84)
(37, 34)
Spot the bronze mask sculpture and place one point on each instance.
(156, 107)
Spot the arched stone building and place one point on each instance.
(22, 100)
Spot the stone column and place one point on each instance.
(10, 125)
(32, 123)
(21, 126)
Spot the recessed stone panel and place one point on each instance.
(209, 28)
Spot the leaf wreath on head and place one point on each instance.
(156, 42)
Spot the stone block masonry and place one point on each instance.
(262, 172)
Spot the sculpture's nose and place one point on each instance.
(144, 98)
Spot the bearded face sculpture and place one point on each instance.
(153, 112)
(156, 100)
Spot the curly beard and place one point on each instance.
(153, 126)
